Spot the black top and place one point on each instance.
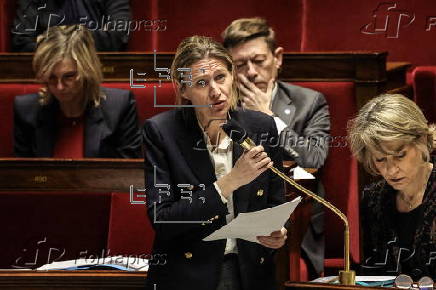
(407, 225)
(398, 243)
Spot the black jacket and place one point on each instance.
(174, 145)
(380, 236)
(35, 16)
(111, 129)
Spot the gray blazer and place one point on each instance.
(306, 113)
(305, 140)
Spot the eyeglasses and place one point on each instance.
(406, 282)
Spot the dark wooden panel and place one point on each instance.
(30, 280)
(46, 174)
(304, 66)
(367, 69)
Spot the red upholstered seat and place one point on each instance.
(403, 28)
(165, 95)
(7, 14)
(130, 230)
(424, 87)
(339, 174)
(7, 94)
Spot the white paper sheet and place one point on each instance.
(248, 226)
(300, 173)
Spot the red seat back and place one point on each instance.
(339, 174)
(424, 87)
(7, 14)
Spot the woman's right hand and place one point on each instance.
(249, 166)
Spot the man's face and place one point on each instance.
(256, 62)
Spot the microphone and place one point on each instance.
(239, 135)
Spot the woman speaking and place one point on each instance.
(198, 180)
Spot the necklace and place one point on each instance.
(412, 202)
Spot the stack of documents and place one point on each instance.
(371, 281)
(107, 263)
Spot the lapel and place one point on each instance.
(283, 106)
(191, 142)
(95, 131)
(46, 130)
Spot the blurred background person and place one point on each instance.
(391, 138)
(72, 116)
(107, 19)
(187, 146)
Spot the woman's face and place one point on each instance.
(401, 167)
(63, 82)
(211, 88)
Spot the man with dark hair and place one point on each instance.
(301, 114)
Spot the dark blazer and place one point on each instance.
(380, 236)
(306, 113)
(174, 145)
(32, 20)
(111, 129)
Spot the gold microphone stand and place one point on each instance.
(346, 276)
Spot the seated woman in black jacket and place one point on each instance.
(72, 116)
(391, 137)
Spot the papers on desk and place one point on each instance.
(248, 226)
(107, 263)
(371, 281)
(300, 173)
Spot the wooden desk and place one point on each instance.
(37, 280)
(112, 175)
(91, 175)
(366, 69)
(306, 286)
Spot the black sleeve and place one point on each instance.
(312, 146)
(128, 135)
(164, 201)
(116, 36)
(276, 183)
(22, 134)
(370, 257)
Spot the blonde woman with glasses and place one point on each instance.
(72, 116)
(391, 138)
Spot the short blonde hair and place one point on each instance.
(196, 48)
(388, 117)
(245, 29)
(77, 43)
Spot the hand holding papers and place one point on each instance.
(248, 226)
